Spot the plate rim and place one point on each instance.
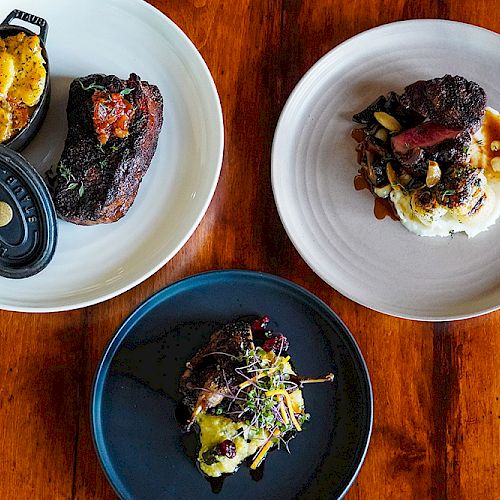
(163, 294)
(317, 65)
(218, 123)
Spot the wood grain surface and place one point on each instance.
(436, 386)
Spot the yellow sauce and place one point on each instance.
(215, 429)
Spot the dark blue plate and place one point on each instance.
(138, 440)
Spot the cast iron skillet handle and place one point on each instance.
(29, 18)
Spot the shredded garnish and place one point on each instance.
(289, 404)
(263, 451)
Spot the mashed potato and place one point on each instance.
(440, 220)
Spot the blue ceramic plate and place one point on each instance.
(138, 440)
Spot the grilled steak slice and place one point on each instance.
(422, 136)
(451, 101)
(211, 372)
(410, 147)
(97, 180)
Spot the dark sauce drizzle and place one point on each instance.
(382, 207)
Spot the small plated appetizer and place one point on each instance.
(421, 151)
(113, 129)
(244, 396)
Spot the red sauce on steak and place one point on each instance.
(112, 115)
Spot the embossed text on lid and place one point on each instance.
(28, 230)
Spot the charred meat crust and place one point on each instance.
(451, 101)
(211, 371)
(97, 183)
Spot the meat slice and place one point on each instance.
(422, 136)
(409, 147)
(210, 374)
(451, 101)
(97, 181)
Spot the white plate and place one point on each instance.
(379, 263)
(92, 264)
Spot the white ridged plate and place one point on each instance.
(379, 263)
(92, 264)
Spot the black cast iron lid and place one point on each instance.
(28, 230)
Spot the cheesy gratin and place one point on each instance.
(22, 81)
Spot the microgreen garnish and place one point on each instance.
(91, 86)
(262, 391)
(126, 91)
(261, 373)
(103, 164)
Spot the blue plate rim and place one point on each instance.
(138, 313)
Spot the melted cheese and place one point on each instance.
(22, 81)
(25, 69)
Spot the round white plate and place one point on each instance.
(92, 264)
(379, 263)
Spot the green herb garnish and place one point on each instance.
(92, 86)
(126, 91)
(74, 185)
(65, 172)
(447, 192)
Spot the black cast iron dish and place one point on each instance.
(28, 229)
(28, 239)
(21, 140)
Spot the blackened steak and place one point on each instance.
(97, 182)
(451, 101)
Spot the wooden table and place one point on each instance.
(436, 386)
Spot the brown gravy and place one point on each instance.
(491, 132)
(482, 156)
(382, 207)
